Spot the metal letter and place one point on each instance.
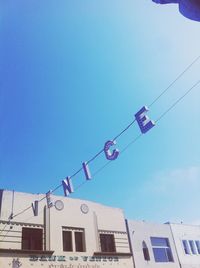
(67, 186)
(110, 155)
(87, 171)
(143, 120)
(35, 208)
(48, 198)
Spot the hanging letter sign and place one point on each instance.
(48, 198)
(67, 186)
(35, 208)
(87, 171)
(143, 120)
(110, 155)
(145, 124)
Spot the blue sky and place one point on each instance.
(73, 74)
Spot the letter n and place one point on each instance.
(67, 186)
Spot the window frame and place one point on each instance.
(29, 239)
(193, 248)
(105, 247)
(67, 247)
(164, 248)
(74, 243)
(145, 251)
(186, 247)
(197, 243)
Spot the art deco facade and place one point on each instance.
(60, 232)
(70, 234)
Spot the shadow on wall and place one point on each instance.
(188, 8)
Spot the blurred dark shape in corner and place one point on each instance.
(188, 8)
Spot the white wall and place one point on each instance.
(19, 201)
(186, 232)
(142, 231)
(98, 218)
(15, 203)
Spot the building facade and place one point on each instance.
(187, 243)
(60, 232)
(152, 245)
(50, 231)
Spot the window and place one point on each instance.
(198, 246)
(67, 241)
(145, 251)
(73, 239)
(32, 238)
(79, 241)
(186, 246)
(192, 247)
(107, 243)
(161, 249)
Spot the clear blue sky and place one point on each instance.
(73, 74)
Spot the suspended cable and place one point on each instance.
(176, 102)
(124, 130)
(174, 81)
(5, 226)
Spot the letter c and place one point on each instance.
(110, 155)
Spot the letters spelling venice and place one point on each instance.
(145, 124)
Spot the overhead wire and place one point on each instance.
(174, 81)
(4, 227)
(139, 136)
(123, 131)
(177, 101)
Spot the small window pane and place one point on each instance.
(67, 241)
(161, 249)
(198, 246)
(145, 251)
(146, 254)
(160, 255)
(32, 238)
(192, 247)
(186, 247)
(79, 241)
(107, 243)
(169, 255)
(157, 241)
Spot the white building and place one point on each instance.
(152, 245)
(59, 232)
(187, 242)
(70, 234)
